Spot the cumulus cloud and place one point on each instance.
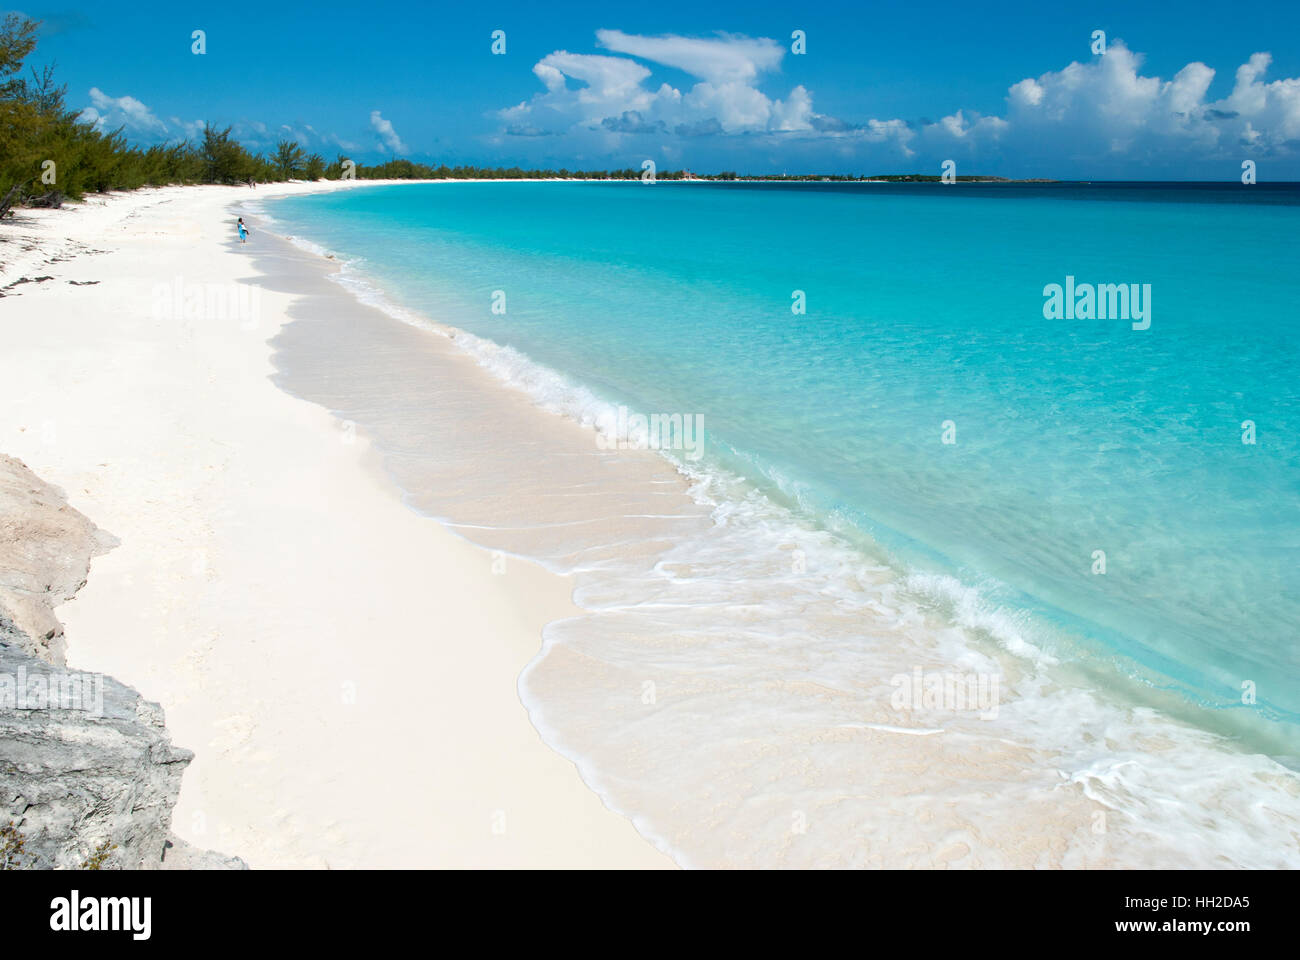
(1108, 107)
(388, 137)
(607, 78)
(302, 134)
(109, 113)
(631, 121)
(611, 95)
(728, 58)
(142, 125)
(528, 130)
(184, 129)
(261, 137)
(1104, 110)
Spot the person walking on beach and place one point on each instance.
(243, 231)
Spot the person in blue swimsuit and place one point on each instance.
(243, 231)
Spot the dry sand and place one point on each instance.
(344, 669)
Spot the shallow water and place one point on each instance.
(734, 688)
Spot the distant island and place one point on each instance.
(976, 178)
(407, 170)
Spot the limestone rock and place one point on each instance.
(88, 773)
(100, 776)
(45, 552)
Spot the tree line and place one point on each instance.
(47, 153)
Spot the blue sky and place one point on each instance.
(1183, 91)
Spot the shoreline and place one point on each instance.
(270, 589)
(574, 663)
(398, 391)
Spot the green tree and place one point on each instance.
(289, 161)
(224, 159)
(22, 125)
(17, 41)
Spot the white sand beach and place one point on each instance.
(352, 674)
(344, 669)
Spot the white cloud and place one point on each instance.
(1275, 106)
(185, 129)
(304, 135)
(1027, 92)
(794, 113)
(387, 135)
(109, 113)
(1102, 111)
(736, 106)
(724, 60)
(612, 98)
(1108, 106)
(967, 133)
(607, 78)
(144, 126)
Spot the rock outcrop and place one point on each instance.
(45, 553)
(94, 774)
(88, 774)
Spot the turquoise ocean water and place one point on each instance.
(843, 545)
(924, 321)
